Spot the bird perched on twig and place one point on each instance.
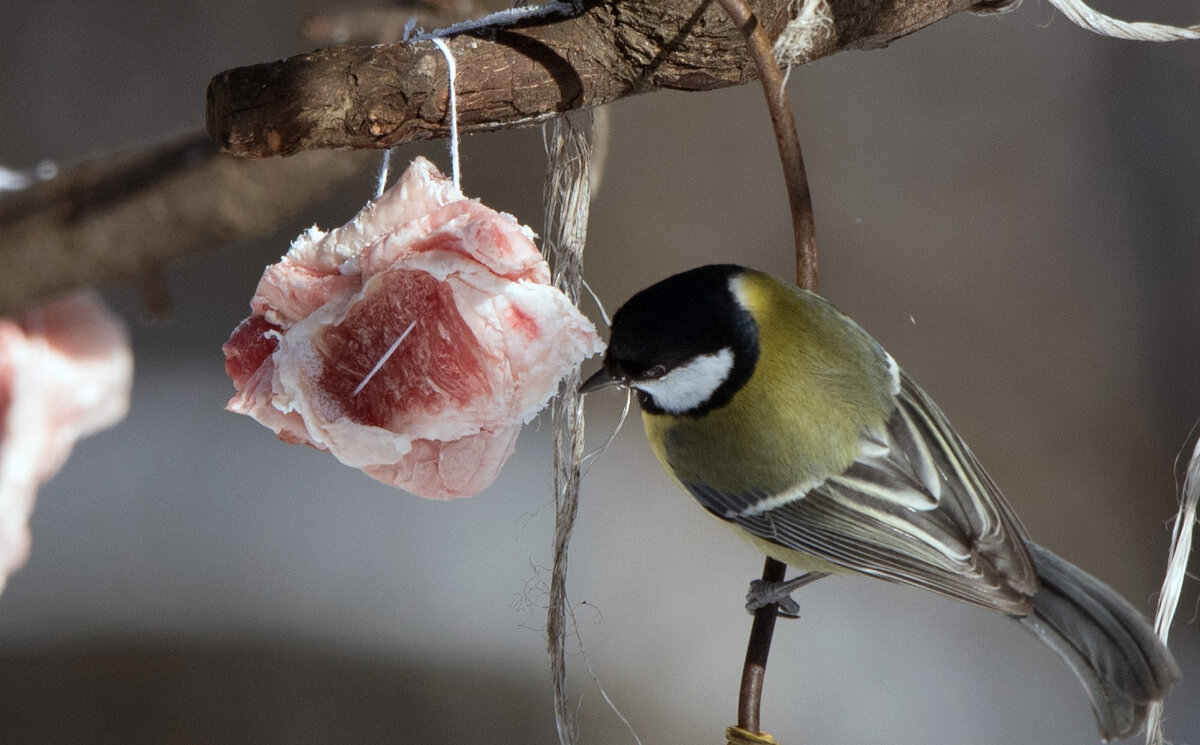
(783, 418)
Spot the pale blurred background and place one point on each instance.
(1009, 204)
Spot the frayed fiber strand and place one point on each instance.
(1177, 561)
(568, 197)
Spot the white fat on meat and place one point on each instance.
(66, 369)
(486, 339)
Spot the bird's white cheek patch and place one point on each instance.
(691, 384)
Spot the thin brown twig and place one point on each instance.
(786, 137)
(800, 201)
(757, 650)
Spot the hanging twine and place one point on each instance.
(567, 199)
(452, 72)
(811, 23)
(1177, 561)
(1083, 15)
(568, 195)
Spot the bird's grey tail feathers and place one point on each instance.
(1106, 641)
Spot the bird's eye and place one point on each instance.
(655, 372)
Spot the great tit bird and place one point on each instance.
(783, 418)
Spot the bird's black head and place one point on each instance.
(685, 344)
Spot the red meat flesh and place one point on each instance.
(248, 348)
(440, 350)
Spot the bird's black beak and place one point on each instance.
(602, 379)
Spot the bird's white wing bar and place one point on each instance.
(768, 503)
(879, 516)
(975, 499)
(893, 372)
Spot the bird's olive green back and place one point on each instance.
(820, 382)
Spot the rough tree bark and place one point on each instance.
(380, 96)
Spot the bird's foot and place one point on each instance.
(763, 593)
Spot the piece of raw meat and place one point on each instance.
(66, 370)
(412, 343)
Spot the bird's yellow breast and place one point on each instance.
(819, 383)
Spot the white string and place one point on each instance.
(499, 19)
(590, 459)
(1177, 561)
(386, 355)
(600, 305)
(596, 681)
(384, 166)
(812, 23)
(1082, 15)
(452, 69)
(441, 44)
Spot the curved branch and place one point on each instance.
(128, 215)
(385, 95)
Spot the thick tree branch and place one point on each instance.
(380, 96)
(126, 216)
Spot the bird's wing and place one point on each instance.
(915, 508)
